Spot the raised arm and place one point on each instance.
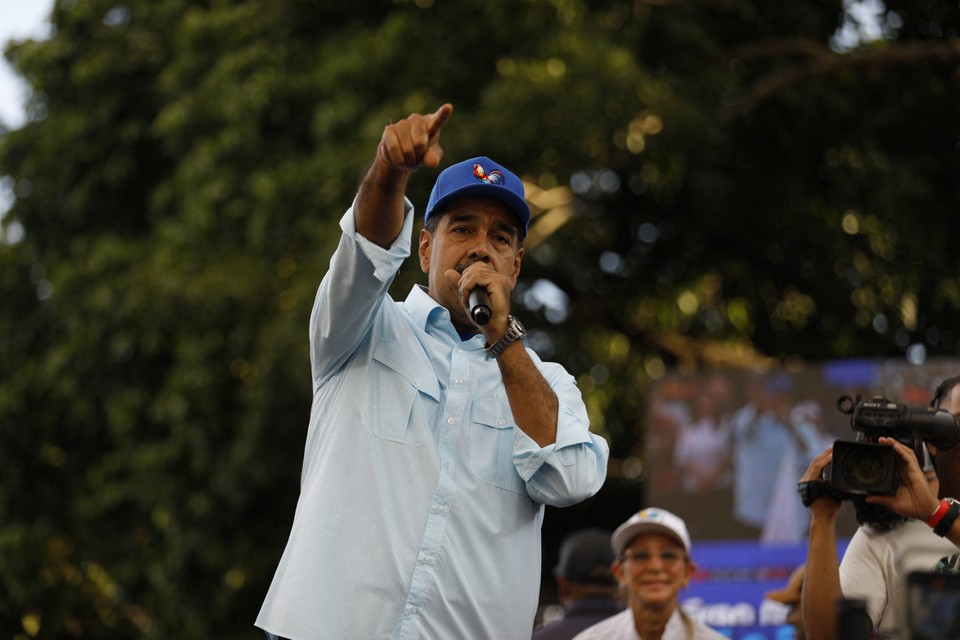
(404, 147)
(821, 578)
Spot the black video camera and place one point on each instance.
(865, 466)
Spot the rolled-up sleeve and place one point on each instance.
(575, 466)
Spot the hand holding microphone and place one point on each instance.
(479, 301)
(481, 286)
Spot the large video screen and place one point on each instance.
(726, 449)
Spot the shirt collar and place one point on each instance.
(426, 311)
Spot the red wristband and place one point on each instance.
(937, 515)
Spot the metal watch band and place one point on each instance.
(514, 332)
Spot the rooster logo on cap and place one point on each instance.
(495, 176)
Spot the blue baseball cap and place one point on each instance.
(479, 177)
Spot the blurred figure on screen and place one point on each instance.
(702, 451)
(790, 596)
(585, 584)
(668, 411)
(787, 519)
(761, 437)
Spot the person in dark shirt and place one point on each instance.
(585, 584)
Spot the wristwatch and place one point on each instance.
(942, 527)
(514, 332)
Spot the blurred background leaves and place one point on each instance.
(716, 183)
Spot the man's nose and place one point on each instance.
(479, 251)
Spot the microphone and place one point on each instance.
(479, 301)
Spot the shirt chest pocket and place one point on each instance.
(491, 445)
(402, 396)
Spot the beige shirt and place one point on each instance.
(876, 563)
(622, 627)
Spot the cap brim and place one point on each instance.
(622, 537)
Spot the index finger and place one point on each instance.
(440, 117)
(817, 465)
(905, 452)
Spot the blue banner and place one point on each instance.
(728, 587)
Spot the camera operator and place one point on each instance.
(915, 497)
(885, 547)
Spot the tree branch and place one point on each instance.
(820, 61)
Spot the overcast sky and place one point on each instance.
(19, 19)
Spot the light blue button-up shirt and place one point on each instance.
(421, 500)
(759, 444)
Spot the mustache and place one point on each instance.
(460, 268)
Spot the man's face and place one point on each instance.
(948, 462)
(470, 230)
(951, 401)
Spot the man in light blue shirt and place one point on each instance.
(761, 438)
(434, 440)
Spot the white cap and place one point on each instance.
(650, 521)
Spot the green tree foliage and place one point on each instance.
(715, 183)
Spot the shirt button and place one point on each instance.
(438, 509)
(413, 611)
(501, 422)
(451, 420)
(459, 381)
(459, 350)
(417, 383)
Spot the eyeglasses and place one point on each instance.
(668, 557)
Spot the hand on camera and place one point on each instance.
(916, 497)
(814, 492)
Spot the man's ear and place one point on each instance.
(516, 267)
(426, 240)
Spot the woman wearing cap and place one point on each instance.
(652, 565)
